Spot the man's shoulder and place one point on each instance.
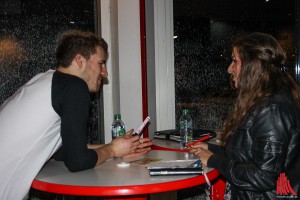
(68, 82)
(67, 88)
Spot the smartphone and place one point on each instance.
(142, 126)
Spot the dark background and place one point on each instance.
(29, 33)
(205, 30)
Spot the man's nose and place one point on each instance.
(104, 72)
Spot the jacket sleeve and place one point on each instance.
(257, 162)
(72, 104)
(216, 149)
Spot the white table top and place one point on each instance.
(167, 143)
(108, 179)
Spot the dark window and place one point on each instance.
(205, 30)
(28, 37)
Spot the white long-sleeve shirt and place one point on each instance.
(29, 135)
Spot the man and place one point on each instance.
(51, 112)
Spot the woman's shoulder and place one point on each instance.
(280, 104)
(280, 98)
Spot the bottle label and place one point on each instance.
(184, 125)
(186, 132)
(118, 131)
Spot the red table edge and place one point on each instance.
(122, 190)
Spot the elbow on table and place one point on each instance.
(77, 166)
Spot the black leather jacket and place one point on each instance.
(266, 144)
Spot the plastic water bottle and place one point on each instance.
(185, 128)
(117, 127)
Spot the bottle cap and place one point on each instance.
(117, 116)
(185, 111)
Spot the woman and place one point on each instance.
(261, 137)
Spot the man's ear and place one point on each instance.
(80, 61)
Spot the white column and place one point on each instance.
(130, 63)
(120, 23)
(164, 64)
(111, 91)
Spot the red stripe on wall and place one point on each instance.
(143, 63)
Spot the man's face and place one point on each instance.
(95, 70)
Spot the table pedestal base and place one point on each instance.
(218, 188)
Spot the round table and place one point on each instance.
(110, 180)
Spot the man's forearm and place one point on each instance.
(104, 152)
(95, 146)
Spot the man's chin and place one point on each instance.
(94, 90)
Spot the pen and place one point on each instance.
(142, 126)
(200, 140)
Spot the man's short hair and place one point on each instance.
(77, 42)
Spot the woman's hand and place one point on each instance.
(201, 151)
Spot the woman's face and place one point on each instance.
(235, 66)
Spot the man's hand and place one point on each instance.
(130, 146)
(143, 147)
(124, 146)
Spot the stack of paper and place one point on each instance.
(175, 167)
